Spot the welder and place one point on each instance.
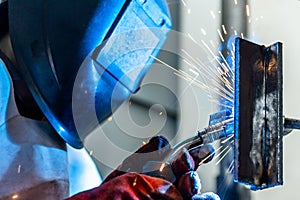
(65, 66)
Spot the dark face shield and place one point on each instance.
(82, 60)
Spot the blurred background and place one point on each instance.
(170, 104)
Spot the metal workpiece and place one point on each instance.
(258, 115)
(291, 124)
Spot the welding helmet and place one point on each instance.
(82, 59)
(3, 18)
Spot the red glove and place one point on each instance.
(127, 183)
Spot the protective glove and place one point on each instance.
(127, 182)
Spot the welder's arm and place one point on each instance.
(134, 180)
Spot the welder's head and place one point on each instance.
(82, 59)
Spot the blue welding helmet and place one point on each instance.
(82, 59)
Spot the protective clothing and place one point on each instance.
(130, 181)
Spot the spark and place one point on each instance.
(211, 73)
(212, 14)
(199, 64)
(192, 38)
(220, 34)
(210, 51)
(15, 196)
(183, 2)
(210, 155)
(91, 152)
(227, 139)
(242, 35)
(248, 10)
(162, 167)
(181, 76)
(194, 72)
(227, 147)
(144, 143)
(184, 73)
(188, 63)
(219, 90)
(227, 65)
(185, 5)
(205, 159)
(180, 73)
(224, 29)
(225, 154)
(212, 44)
(110, 119)
(213, 56)
(134, 182)
(230, 167)
(161, 113)
(203, 31)
(19, 169)
(164, 63)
